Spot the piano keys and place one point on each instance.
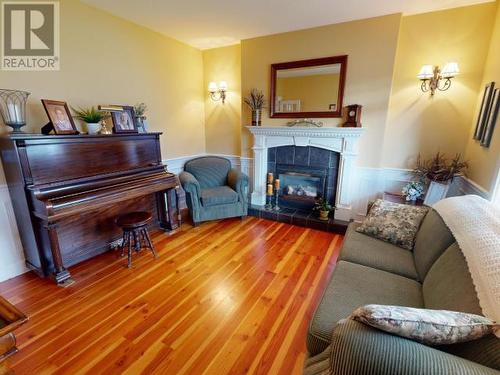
(67, 191)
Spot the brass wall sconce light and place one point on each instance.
(433, 78)
(218, 92)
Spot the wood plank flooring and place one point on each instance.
(227, 297)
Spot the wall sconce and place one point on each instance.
(433, 77)
(218, 92)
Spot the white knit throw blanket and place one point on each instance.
(475, 223)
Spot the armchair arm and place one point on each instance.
(192, 188)
(360, 349)
(238, 181)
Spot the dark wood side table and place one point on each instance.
(10, 319)
(398, 198)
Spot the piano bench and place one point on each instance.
(135, 233)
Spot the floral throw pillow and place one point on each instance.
(393, 222)
(431, 327)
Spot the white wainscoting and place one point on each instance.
(11, 250)
(370, 183)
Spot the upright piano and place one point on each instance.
(68, 190)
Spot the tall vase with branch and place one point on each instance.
(439, 171)
(256, 102)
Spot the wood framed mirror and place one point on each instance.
(308, 88)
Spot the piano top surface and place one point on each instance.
(27, 136)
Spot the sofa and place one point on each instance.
(434, 275)
(213, 189)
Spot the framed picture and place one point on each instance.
(492, 119)
(123, 118)
(60, 116)
(484, 111)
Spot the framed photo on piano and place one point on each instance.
(123, 118)
(60, 117)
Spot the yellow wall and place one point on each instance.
(371, 46)
(107, 60)
(316, 92)
(222, 121)
(484, 163)
(418, 122)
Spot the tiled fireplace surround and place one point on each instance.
(330, 149)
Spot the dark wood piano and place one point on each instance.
(67, 191)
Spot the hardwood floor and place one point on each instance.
(228, 297)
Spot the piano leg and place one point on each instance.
(61, 274)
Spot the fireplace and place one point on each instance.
(342, 142)
(305, 172)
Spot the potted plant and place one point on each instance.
(92, 117)
(323, 207)
(439, 171)
(140, 116)
(412, 191)
(256, 103)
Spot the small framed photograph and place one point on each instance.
(60, 116)
(123, 118)
(484, 111)
(491, 120)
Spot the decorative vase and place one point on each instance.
(13, 108)
(323, 215)
(94, 128)
(256, 117)
(436, 192)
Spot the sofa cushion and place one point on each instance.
(433, 238)
(353, 285)
(210, 171)
(427, 326)
(218, 195)
(393, 222)
(368, 251)
(448, 284)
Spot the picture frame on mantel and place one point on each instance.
(484, 111)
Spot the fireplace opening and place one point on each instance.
(305, 174)
(300, 189)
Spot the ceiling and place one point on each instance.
(215, 23)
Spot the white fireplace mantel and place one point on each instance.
(341, 140)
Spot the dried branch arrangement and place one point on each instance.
(439, 168)
(255, 100)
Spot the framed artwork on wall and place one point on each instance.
(484, 111)
(491, 120)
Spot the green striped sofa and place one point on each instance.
(213, 189)
(369, 271)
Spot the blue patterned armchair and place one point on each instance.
(213, 189)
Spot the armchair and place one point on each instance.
(213, 189)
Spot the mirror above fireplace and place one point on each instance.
(308, 88)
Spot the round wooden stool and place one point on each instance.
(135, 233)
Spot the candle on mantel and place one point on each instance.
(277, 184)
(270, 178)
(269, 189)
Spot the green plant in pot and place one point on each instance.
(256, 102)
(323, 207)
(92, 117)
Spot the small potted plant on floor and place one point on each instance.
(323, 207)
(92, 117)
(439, 171)
(256, 103)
